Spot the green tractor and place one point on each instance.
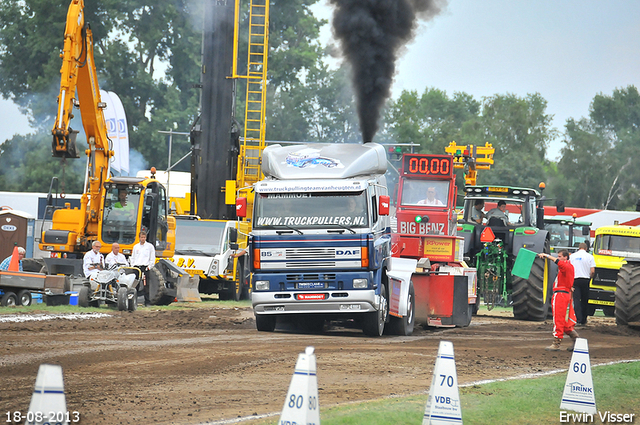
(493, 238)
(567, 232)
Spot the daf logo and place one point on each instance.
(348, 252)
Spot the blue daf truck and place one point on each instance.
(320, 242)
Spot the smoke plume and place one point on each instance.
(372, 34)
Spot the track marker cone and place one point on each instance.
(14, 263)
(578, 392)
(48, 397)
(443, 404)
(301, 405)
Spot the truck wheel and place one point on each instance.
(373, 324)
(83, 297)
(627, 304)
(404, 325)
(122, 298)
(132, 299)
(591, 310)
(609, 311)
(527, 295)
(9, 299)
(265, 323)
(24, 298)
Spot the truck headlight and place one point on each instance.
(261, 285)
(360, 283)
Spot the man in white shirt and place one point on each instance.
(115, 257)
(584, 268)
(93, 261)
(431, 199)
(144, 257)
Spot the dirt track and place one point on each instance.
(205, 364)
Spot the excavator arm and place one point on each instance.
(78, 72)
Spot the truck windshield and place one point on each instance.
(425, 193)
(120, 214)
(199, 237)
(617, 245)
(311, 210)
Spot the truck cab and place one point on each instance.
(204, 248)
(426, 196)
(320, 240)
(613, 246)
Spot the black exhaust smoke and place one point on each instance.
(372, 33)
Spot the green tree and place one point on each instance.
(132, 41)
(586, 166)
(26, 165)
(520, 131)
(433, 119)
(617, 119)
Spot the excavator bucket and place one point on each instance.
(168, 282)
(188, 289)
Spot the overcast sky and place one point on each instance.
(566, 50)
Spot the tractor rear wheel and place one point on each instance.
(627, 304)
(528, 296)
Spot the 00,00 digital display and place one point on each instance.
(427, 165)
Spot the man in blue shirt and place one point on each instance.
(5, 263)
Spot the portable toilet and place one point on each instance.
(16, 228)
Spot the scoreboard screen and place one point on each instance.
(421, 165)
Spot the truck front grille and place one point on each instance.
(311, 276)
(310, 264)
(302, 253)
(606, 277)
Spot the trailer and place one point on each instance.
(16, 288)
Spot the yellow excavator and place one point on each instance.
(112, 209)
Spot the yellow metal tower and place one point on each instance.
(253, 143)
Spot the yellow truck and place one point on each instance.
(614, 247)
